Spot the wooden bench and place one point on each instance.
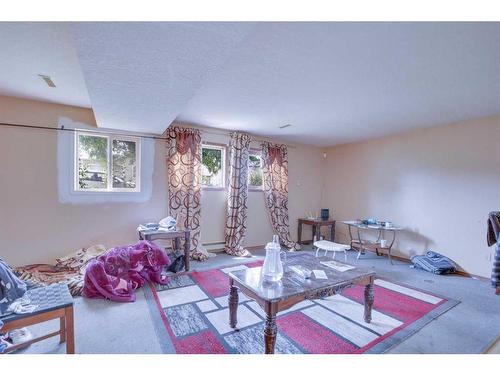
(54, 302)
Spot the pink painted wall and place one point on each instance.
(36, 227)
(439, 183)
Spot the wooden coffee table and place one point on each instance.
(292, 289)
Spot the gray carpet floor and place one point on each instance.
(470, 327)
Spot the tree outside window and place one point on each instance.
(255, 178)
(212, 160)
(106, 163)
(124, 164)
(92, 162)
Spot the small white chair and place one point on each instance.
(331, 246)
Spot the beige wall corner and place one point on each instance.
(439, 183)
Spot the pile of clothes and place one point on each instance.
(69, 270)
(96, 272)
(13, 301)
(434, 262)
(115, 274)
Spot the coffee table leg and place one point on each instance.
(233, 304)
(270, 329)
(369, 298)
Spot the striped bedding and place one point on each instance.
(68, 270)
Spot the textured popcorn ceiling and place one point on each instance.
(334, 82)
(343, 82)
(140, 75)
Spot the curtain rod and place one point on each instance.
(148, 136)
(62, 128)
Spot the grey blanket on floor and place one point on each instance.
(434, 262)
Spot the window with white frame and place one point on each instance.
(213, 166)
(255, 178)
(107, 163)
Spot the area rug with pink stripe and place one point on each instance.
(191, 316)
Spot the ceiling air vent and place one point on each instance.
(47, 80)
(285, 126)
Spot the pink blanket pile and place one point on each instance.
(115, 274)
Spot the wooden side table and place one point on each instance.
(151, 235)
(53, 302)
(316, 227)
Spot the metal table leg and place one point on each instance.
(361, 249)
(378, 241)
(390, 246)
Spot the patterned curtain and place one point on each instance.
(184, 183)
(275, 171)
(236, 221)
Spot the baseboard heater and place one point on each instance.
(214, 246)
